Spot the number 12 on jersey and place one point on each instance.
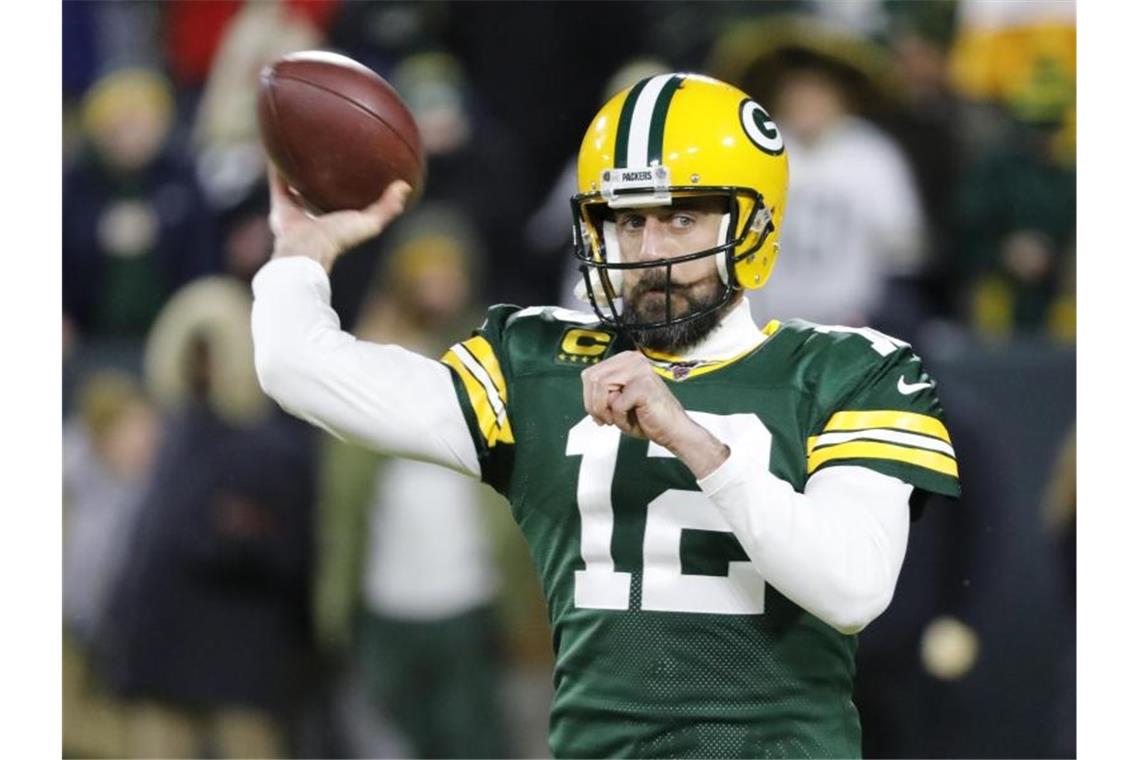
(664, 587)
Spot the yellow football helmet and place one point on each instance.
(671, 136)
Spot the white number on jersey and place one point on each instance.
(664, 587)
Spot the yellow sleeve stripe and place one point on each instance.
(913, 440)
(491, 426)
(910, 421)
(931, 460)
(481, 349)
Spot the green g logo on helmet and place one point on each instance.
(760, 128)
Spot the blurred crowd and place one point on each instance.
(237, 584)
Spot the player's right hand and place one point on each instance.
(323, 238)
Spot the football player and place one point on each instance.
(714, 508)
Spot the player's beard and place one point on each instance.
(645, 302)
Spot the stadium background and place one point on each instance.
(975, 657)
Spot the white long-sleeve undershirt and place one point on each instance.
(382, 396)
(836, 549)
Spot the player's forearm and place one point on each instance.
(385, 397)
(836, 550)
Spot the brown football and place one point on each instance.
(338, 133)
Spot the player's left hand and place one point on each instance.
(625, 391)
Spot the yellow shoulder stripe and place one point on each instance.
(492, 430)
(931, 460)
(481, 349)
(916, 423)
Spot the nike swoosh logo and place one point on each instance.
(906, 388)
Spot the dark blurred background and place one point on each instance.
(237, 584)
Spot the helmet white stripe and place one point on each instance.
(637, 155)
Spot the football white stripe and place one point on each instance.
(891, 436)
(637, 154)
(472, 364)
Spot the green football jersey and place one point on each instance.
(668, 642)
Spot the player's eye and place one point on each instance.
(627, 222)
(682, 220)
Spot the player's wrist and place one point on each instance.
(701, 451)
(304, 247)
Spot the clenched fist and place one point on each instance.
(625, 391)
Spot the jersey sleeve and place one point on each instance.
(885, 415)
(481, 374)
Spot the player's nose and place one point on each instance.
(652, 240)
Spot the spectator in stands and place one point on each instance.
(107, 453)
(854, 222)
(135, 226)
(108, 449)
(379, 35)
(194, 32)
(211, 635)
(245, 236)
(461, 140)
(405, 551)
(230, 159)
(1016, 205)
(935, 127)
